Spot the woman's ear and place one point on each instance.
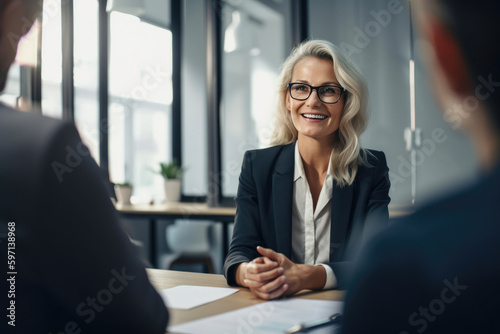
(287, 101)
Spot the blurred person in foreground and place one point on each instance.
(439, 271)
(305, 204)
(67, 266)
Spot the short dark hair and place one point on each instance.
(474, 24)
(35, 5)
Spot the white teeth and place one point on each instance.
(314, 116)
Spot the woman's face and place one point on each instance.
(312, 117)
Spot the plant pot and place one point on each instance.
(172, 190)
(123, 194)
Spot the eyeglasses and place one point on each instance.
(327, 94)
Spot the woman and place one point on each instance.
(304, 204)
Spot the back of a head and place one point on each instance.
(474, 26)
(16, 19)
(35, 5)
(32, 9)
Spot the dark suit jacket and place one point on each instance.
(264, 209)
(76, 268)
(436, 272)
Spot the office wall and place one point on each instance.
(377, 36)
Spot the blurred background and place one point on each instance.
(149, 81)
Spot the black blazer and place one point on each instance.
(438, 271)
(76, 268)
(264, 209)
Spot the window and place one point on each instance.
(140, 92)
(51, 60)
(253, 37)
(86, 72)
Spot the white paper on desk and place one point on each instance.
(189, 296)
(265, 318)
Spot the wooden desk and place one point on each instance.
(163, 279)
(192, 211)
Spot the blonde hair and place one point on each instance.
(347, 153)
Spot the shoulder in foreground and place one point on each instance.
(474, 203)
(470, 210)
(28, 122)
(32, 131)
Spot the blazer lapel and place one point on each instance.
(283, 199)
(341, 213)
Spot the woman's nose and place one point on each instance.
(314, 98)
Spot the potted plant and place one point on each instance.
(123, 193)
(172, 175)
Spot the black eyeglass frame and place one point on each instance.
(342, 90)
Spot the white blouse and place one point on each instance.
(311, 229)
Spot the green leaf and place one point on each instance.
(171, 170)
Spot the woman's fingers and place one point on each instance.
(270, 254)
(267, 260)
(258, 260)
(264, 277)
(266, 287)
(270, 290)
(273, 295)
(267, 252)
(255, 267)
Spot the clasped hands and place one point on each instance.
(274, 275)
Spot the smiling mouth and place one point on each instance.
(313, 116)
